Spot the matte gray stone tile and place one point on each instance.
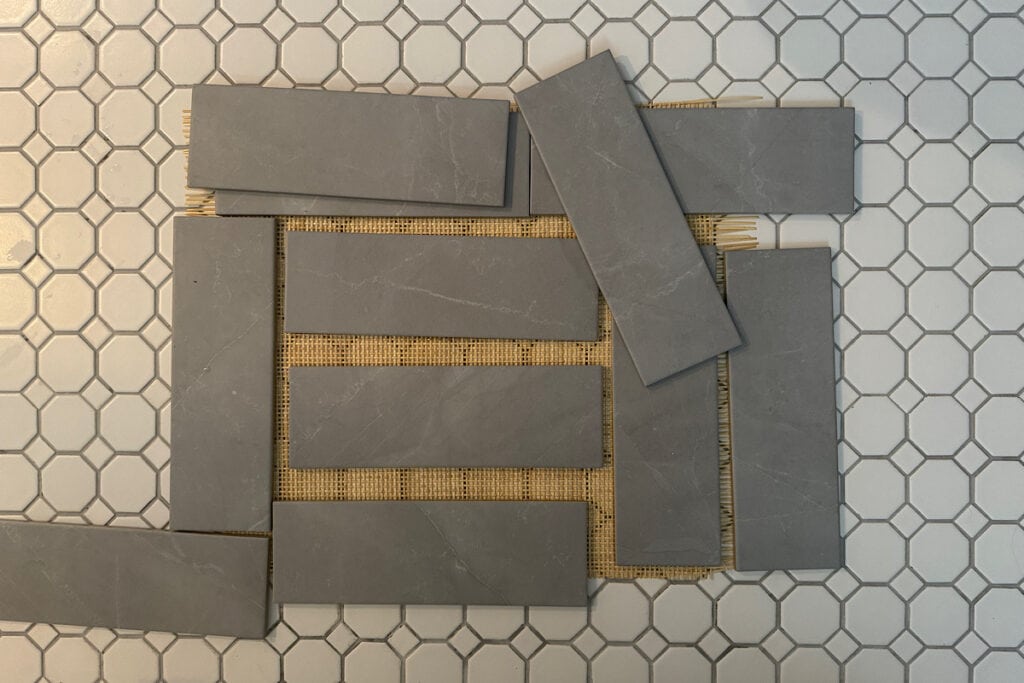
(517, 195)
(135, 579)
(445, 416)
(756, 160)
(222, 374)
(344, 144)
(543, 197)
(627, 219)
(667, 489)
(431, 552)
(506, 287)
(782, 396)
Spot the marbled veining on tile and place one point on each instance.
(476, 416)
(438, 286)
(431, 552)
(425, 149)
(628, 221)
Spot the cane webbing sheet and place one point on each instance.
(595, 486)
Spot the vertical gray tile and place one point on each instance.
(444, 416)
(667, 490)
(431, 552)
(222, 376)
(736, 160)
(626, 216)
(506, 287)
(517, 194)
(130, 578)
(345, 144)
(782, 397)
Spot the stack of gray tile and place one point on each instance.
(624, 178)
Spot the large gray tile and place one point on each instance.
(431, 552)
(627, 219)
(343, 144)
(130, 578)
(667, 490)
(517, 195)
(445, 416)
(222, 374)
(782, 397)
(505, 287)
(737, 160)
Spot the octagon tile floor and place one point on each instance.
(929, 299)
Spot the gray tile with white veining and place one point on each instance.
(627, 219)
(744, 160)
(445, 416)
(135, 579)
(222, 374)
(431, 552)
(505, 287)
(517, 195)
(345, 144)
(782, 397)
(667, 489)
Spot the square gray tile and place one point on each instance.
(445, 416)
(516, 288)
(431, 552)
(783, 410)
(667, 490)
(222, 374)
(627, 219)
(517, 195)
(345, 144)
(134, 579)
(740, 160)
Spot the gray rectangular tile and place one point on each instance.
(517, 195)
(627, 219)
(135, 579)
(783, 411)
(431, 552)
(344, 144)
(744, 160)
(222, 374)
(445, 416)
(667, 490)
(506, 287)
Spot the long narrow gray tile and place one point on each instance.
(343, 144)
(222, 374)
(744, 160)
(517, 195)
(782, 397)
(130, 578)
(445, 416)
(667, 490)
(504, 287)
(420, 552)
(627, 219)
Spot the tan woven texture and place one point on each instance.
(595, 486)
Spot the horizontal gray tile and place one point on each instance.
(431, 552)
(135, 579)
(517, 195)
(744, 160)
(344, 144)
(627, 219)
(445, 416)
(222, 374)
(506, 287)
(782, 398)
(667, 490)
